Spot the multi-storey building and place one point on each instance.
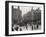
(16, 14)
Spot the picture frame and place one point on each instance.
(24, 6)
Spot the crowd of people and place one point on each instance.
(27, 27)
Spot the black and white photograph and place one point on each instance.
(25, 18)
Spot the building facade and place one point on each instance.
(16, 15)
